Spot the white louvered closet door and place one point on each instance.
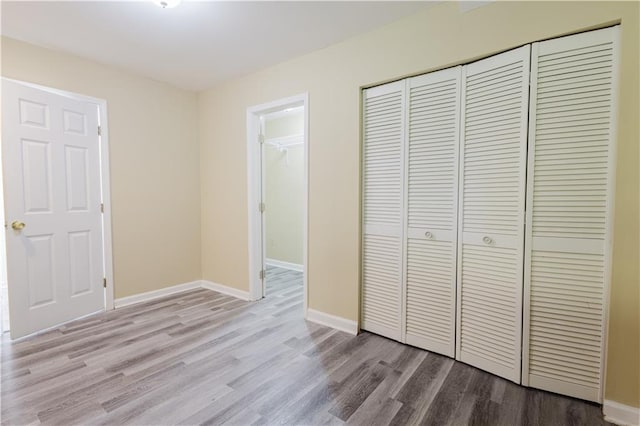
(432, 186)
(491, 216)
(383, 189)
(570, 183)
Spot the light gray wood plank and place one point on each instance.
(201, 357)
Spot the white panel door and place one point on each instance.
(491, 215)
(383, 193)
(570, 188)
(52, 182)
(432, 205)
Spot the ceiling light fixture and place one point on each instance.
(167, 4)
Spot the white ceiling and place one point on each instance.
(197, 44)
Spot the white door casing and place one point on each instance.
(571, 174)
(263, 197)
(382, 209)
(51, 164)
(433, 126)
(495, 94)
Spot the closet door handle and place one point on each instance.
(429, 235)
(487, 240)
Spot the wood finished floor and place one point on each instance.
(201, 357)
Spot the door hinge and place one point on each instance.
(99, 131)
(260, 138)
(104, 282)
(262, 207)
(262, 274)
(101, 207)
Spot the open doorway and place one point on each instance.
(283, 197)
(278, 182)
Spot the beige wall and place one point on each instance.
(284, 194)
(155, 178)
(431, 39)
(288, 125)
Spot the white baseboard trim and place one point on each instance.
(150, 295)
(283, 264)
(179, 288)
(339, 323)
(230, 291)
(620, 414)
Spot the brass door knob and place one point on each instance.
(17, 225)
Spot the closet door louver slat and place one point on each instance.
(569, 199)
(491, 216)
(431, 236)
(383, 189)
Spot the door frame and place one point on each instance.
(104, 179)
(255, 179)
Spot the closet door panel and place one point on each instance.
(432, 179)
(570, 183)
(383, 188)
(491, 218)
